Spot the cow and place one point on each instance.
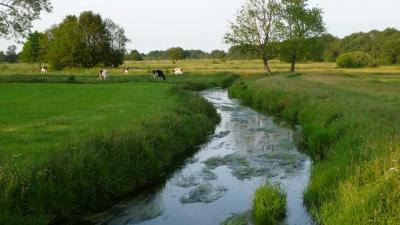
(159, 74)
(126, 70)
(178, 71)
(44, 70)
(103, 75)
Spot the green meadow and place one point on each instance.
(37, 118)
(65, 141)
(351, 128)
(99, 129)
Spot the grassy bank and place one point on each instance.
(352, 131)
(68, 149)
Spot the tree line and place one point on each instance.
(86, 40)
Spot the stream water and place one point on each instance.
(246, 150)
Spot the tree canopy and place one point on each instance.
(16, 16)
(266, 24)
(35, 48)
(256, 24)
(175, 54)
(83, 41)
(298, 27)
(383, 46)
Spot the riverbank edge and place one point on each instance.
(96, 172)
(347, 186)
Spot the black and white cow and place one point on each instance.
(159, 74)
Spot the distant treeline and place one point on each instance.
(72, 43)
(382, 46)
(315, 50)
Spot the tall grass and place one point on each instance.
(352, 130)
(89, 173)
(269, 205)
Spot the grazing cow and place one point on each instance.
(126, 70)
(103, 75)
(44, 70)
(159, 74)
(178, 71)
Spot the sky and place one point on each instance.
(201, 24)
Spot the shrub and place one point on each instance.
(354, 60)
(269, 205)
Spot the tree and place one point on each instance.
(175, 54)
(118, 42)
(35, 48)
(2, 56)
(298, 26)
(134, 55)
(218, 54)
(256, 25)
(11, 55)
(66, 46)
(95, 38)
(16, 16)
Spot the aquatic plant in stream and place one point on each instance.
(269, 205)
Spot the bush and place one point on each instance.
(354, 60)
(269, 205)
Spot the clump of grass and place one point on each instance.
(269, 205)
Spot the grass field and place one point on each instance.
(64, 143)
(206, 66)
(36, 118)
(352, 130)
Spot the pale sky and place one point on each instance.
(201, 24)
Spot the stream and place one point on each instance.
(219, 181)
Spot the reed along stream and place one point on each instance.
(246, 150)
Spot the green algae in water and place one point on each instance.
(238, 219)
(205, 193)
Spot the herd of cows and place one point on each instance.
(104, 74)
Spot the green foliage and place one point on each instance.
(354, 60)
(17, 16)
(66, 47)
(134, 55)
(35, 48)
(86, 41)
(383, 46)
(11, 54)
(2, 56)
(269, 205)
(243, 52)
(175, 54)
(218, 54)
(299, 25)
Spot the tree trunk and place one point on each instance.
(266, 66)
(293, 63)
